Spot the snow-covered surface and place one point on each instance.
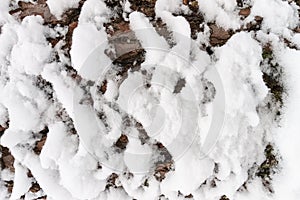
(58, 7)
(221, 11)
(288, 137)
(214, 130)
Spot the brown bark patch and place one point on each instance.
(6, 160)
(245, 12)
(219, 36)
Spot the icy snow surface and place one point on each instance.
(131, 100)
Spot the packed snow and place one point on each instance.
(126, 105)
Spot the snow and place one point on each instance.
(5, 175)
(242, 54)
(80, 51)
(137, 157)
(22, 182)
(58, 7)
(4, 15)
(148, 37)
(220, 11)
(95, 40)
(213, 130)
(61, 84)
(286, 183)
(187, 181)
(275, 20)
(112, 90)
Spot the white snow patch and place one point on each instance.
(287, 138)
(58, 7)
(21, 182)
